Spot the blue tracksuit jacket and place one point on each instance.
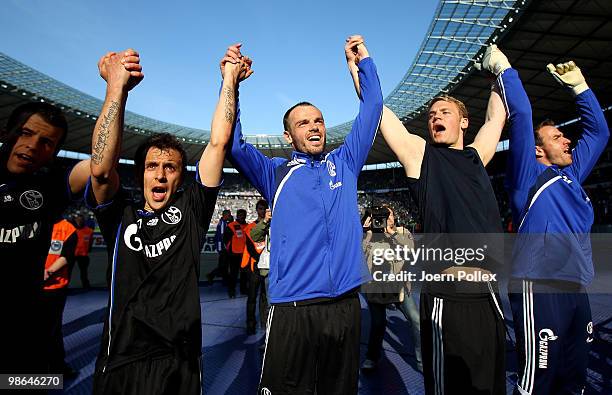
(553, 213)
(315, 233)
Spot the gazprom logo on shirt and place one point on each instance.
(134, 242)
(22, 232)
(157, 249)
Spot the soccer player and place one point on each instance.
(316, 264)
(34, 191)
(552, 258)
(462, 329)
(152, 335)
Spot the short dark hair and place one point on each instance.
(162, 141)
(536, 131)
(226, 211)
(20, 115)
(288, 112)
(240, 210)
(262, 203)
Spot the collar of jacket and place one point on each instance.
(307, 158)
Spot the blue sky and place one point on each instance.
(297, 48)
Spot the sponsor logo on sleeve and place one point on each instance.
(56, 247)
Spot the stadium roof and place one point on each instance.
(531, 33)
(547, 32)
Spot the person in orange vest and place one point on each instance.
(250, 257)
(234, 239)
(56, 279)
(83, 247)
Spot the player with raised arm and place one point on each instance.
(446, 178)
(316, 264)
(552, 258)
(152, 340)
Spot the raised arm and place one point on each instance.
(365, 78)
(408, 148)
(352, 58)
(79, 175)
(522, 166)
(488, 136)
(122, 72)
(210, 166)
(595, 131)
(252, 164)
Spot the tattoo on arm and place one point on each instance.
(98, 148)
(230, 103)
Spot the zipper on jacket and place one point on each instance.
(319, 182)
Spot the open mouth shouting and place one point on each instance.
(439, 128)
(159, 193)
(315, 138)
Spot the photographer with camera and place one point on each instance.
(380, 234)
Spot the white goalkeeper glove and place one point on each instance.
(569, 75)
(493, 61)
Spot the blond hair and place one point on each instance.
(462, 109)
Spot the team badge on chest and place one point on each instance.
(31, 199)
(331, 168)
(172, 215)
